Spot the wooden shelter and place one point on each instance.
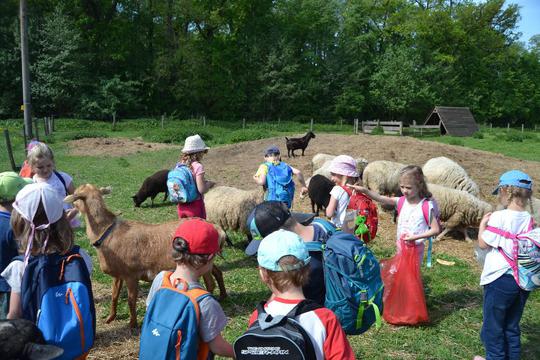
(455, 121)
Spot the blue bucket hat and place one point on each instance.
(515, 178)
(279, 244)
(271, 150)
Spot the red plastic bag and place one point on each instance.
(403, 299)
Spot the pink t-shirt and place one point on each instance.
(197, 168)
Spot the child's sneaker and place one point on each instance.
(478, 357)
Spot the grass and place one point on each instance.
(453, 295)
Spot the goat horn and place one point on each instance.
(105, 190)
(70, 199)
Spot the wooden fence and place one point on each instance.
(389, 127)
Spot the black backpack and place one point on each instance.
(277, 337)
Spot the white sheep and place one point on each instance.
(383, 176)
(319, 159)
(458, 209)
(446, 172)
(324, 170)
(536, 210)
(229, 207)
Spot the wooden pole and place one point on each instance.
(36, 126)
(204, 120)
(243, 123)
(522, 128)
(113, 119)
(490, 126)
(340, 123)
(25, 64)
(162, 120)
(507, 127)
(52, 123)
(10, 151)
(311, 125)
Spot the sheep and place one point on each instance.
(324, 170)
(229, 207)
(383, 176)
(536, 210)
(443, 171)
(319, 192)
(151, 186)
(458, 209)
(21, 339)
(319, 159)
(129, 250)
(298, 143)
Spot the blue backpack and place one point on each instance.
(56, 294)
(354, 287)
(280, 183)
(171, 324)
(326, 226)
(181, 185)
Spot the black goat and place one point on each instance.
(298, 143)
(319, 192)
(152, 185)
(21, 339)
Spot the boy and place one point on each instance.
(284, 267)
(271, 216)
(195, 244)
(276, 177)
(10, 184)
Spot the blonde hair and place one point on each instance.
(187, 159)
(520, 195)
(182, 256)
(59, 234)
(283, 280)
(417, 175)
(38, 152)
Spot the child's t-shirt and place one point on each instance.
(55, 182)
(8, 247)
(197, 168)
(212, 318)
(322, 326)
(512, 221)
(342, 202)
(411, 220)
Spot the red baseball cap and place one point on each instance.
(201, 236)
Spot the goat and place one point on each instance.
(21, 339)
(298, 143)
(151, 186)
(319, 192)
(130, 250)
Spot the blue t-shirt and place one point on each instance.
(8, 247)
(315, 288)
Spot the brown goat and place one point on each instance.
(132, 250)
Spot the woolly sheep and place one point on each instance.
(318, 160)
(458, 209)
(229, 207)
(446, 172)
(383, 176)
(324, 170)
(536, 210)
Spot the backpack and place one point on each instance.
(171, 324)
(525, 257)
(354, 287)
(181, 177)
(277, 337)
(427, 218)
(361, 205)
(325, 225)
(59, 176)
(56, 294)
(280, 183)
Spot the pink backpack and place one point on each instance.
(425, 211)
(525, 257)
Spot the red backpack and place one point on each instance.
(361, 205)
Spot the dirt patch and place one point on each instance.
(113, 146)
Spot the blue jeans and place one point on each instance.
(504, 301)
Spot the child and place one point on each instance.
(343, 171)
(10, 184)
(412, 225)
(195, 245)
(26, 169)
(41, 160)
(192, 153)
(276, 177)
(284, 267)
(504, 300)
(45, 236)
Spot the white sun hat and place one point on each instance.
(194, 144)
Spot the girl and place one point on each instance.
(192, 153)
(343, 171)
(504, 300)
(412, 225)
(41, 160)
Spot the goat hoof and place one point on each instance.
(110, 318)
(133, 324)
(222, 297)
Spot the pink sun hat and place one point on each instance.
(344, 165)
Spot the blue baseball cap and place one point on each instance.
(514, 178)
(279, 244)
(271, 150)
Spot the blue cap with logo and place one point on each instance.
(279, 244)
(515, 178)
(271, 150)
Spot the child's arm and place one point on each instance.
(483, 224)
(386, 200)
(15, 306)
(260, 175)
(435, 229)
(221, 347)
(301, 180)
(331, 208)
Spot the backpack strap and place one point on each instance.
(61, 178)
(400, 203)
(512, 259)
(195, 295)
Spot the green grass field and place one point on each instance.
(453, 294)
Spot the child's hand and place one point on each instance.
(485, 219)
(358, 188)
(303, 190)
(71, 213)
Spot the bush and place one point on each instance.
(81, 134)
(175, 136)
(246, 135)
(378, 130)
(478, 135)
(456, 141)
(513, 137)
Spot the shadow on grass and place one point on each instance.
(441, 306)
(529, 346)
(244, 262)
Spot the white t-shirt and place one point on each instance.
(55, 182)
(514, 222)
(13, 273)
(411, 220)
(342, 202)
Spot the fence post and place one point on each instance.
(162, 120)
(204, 120)
(113, 120)
(341, 124)
(490, 126)
(45, 129)
(311, 125)
(10, 151)
(522, 128)
(52, 123)
(36, 127)
(401, 128)
(243, 123)
(507, 127)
